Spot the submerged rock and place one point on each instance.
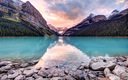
(4, 63)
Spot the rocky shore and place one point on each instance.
(98, 68)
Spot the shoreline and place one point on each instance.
(99, 68)
(67, 36)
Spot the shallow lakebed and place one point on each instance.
(36, 47)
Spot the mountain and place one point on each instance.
(52, 27)
(22, 19)
(115, 14)
(115, 25)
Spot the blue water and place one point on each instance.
(35, 47)
(100, 46)
(24, 47)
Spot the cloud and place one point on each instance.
(73, 9)
(125, 4)
(66, 13)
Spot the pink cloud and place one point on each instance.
(67, 13)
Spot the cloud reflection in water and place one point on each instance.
(62, 54)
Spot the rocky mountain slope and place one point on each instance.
(115, 25)
(21, 19)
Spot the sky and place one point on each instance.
(67, 13)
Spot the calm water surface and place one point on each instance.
(69, 48)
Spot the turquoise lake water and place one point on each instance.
(36, 47)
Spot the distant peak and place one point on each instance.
(115, 11)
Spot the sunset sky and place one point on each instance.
(66, 13)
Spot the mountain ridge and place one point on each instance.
(117, 25)
(25, 15)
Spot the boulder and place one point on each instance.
(57, 78)
(20, 77)
(111, 76)
(92, 76)
(42, 78)
(23, 65)
(56, 72)
(13, 74)
(123, 63)
(4, 63)
(44, 73)
(124, 76)
(102, 65)
(103, 79)
(4, 77)
(85, 64)
(29, 78)
(33, 62)
(36, 76)
(5, 68)
(28, 72)
(121, 72)
(118, 70)
(68, 77)
(78, 74)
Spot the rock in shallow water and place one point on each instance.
(23, 65)
(4, 63)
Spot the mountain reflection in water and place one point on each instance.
(62, 54)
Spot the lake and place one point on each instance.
(62, 47)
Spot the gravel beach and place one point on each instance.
(98, 68)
